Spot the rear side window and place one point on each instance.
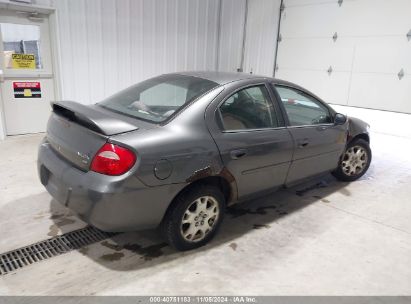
(249, 108)
(158, 98)
(301, 108)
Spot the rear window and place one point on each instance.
(158, 98)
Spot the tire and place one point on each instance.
(349, 168)
(202, 208)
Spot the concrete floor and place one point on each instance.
(332, 239)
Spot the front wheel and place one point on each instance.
(354, 162)
(194, 217)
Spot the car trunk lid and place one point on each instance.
(76, 132)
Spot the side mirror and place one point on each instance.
(340, 119)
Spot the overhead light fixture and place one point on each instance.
(401, 74)
(35, 16)
(22, 1)
(32, 16)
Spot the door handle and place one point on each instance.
(303, 143)
(1, 76)
(236, 154)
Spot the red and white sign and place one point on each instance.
(26, 85)
(27, 89)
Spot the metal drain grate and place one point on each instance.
(19, 258)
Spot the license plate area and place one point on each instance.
(44, 175)
(58, 190)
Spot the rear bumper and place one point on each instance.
(110, 203)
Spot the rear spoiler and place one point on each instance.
(92, 117)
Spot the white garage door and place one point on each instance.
(350, 52)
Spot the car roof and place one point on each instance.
(226, 77)
(223, 78)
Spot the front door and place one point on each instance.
(319, 143)
(26, 73)
(253, 142)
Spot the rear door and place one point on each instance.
(250, 133)
(319, 143)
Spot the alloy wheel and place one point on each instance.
(354, 160)
(199, 218)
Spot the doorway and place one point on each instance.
(26, 72)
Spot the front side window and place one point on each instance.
(303, 109)
(158, 98)
(248, 108)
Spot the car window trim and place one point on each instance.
(277, 108)
(330, 110)
(314, 126)
(218, 115)
(253, 130)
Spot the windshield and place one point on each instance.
(158, 98)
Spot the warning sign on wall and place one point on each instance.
(27, 89)
(23, 61)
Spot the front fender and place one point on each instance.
(358, 127)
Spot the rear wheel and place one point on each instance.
(354, 162)
(194, 218)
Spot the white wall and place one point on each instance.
(370, 50)
(232, 20)
(261, 18)
(261, 36)
(107, 45)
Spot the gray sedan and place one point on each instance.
(173, 151)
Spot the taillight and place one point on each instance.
(113, 160)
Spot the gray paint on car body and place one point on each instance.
(184, 149)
